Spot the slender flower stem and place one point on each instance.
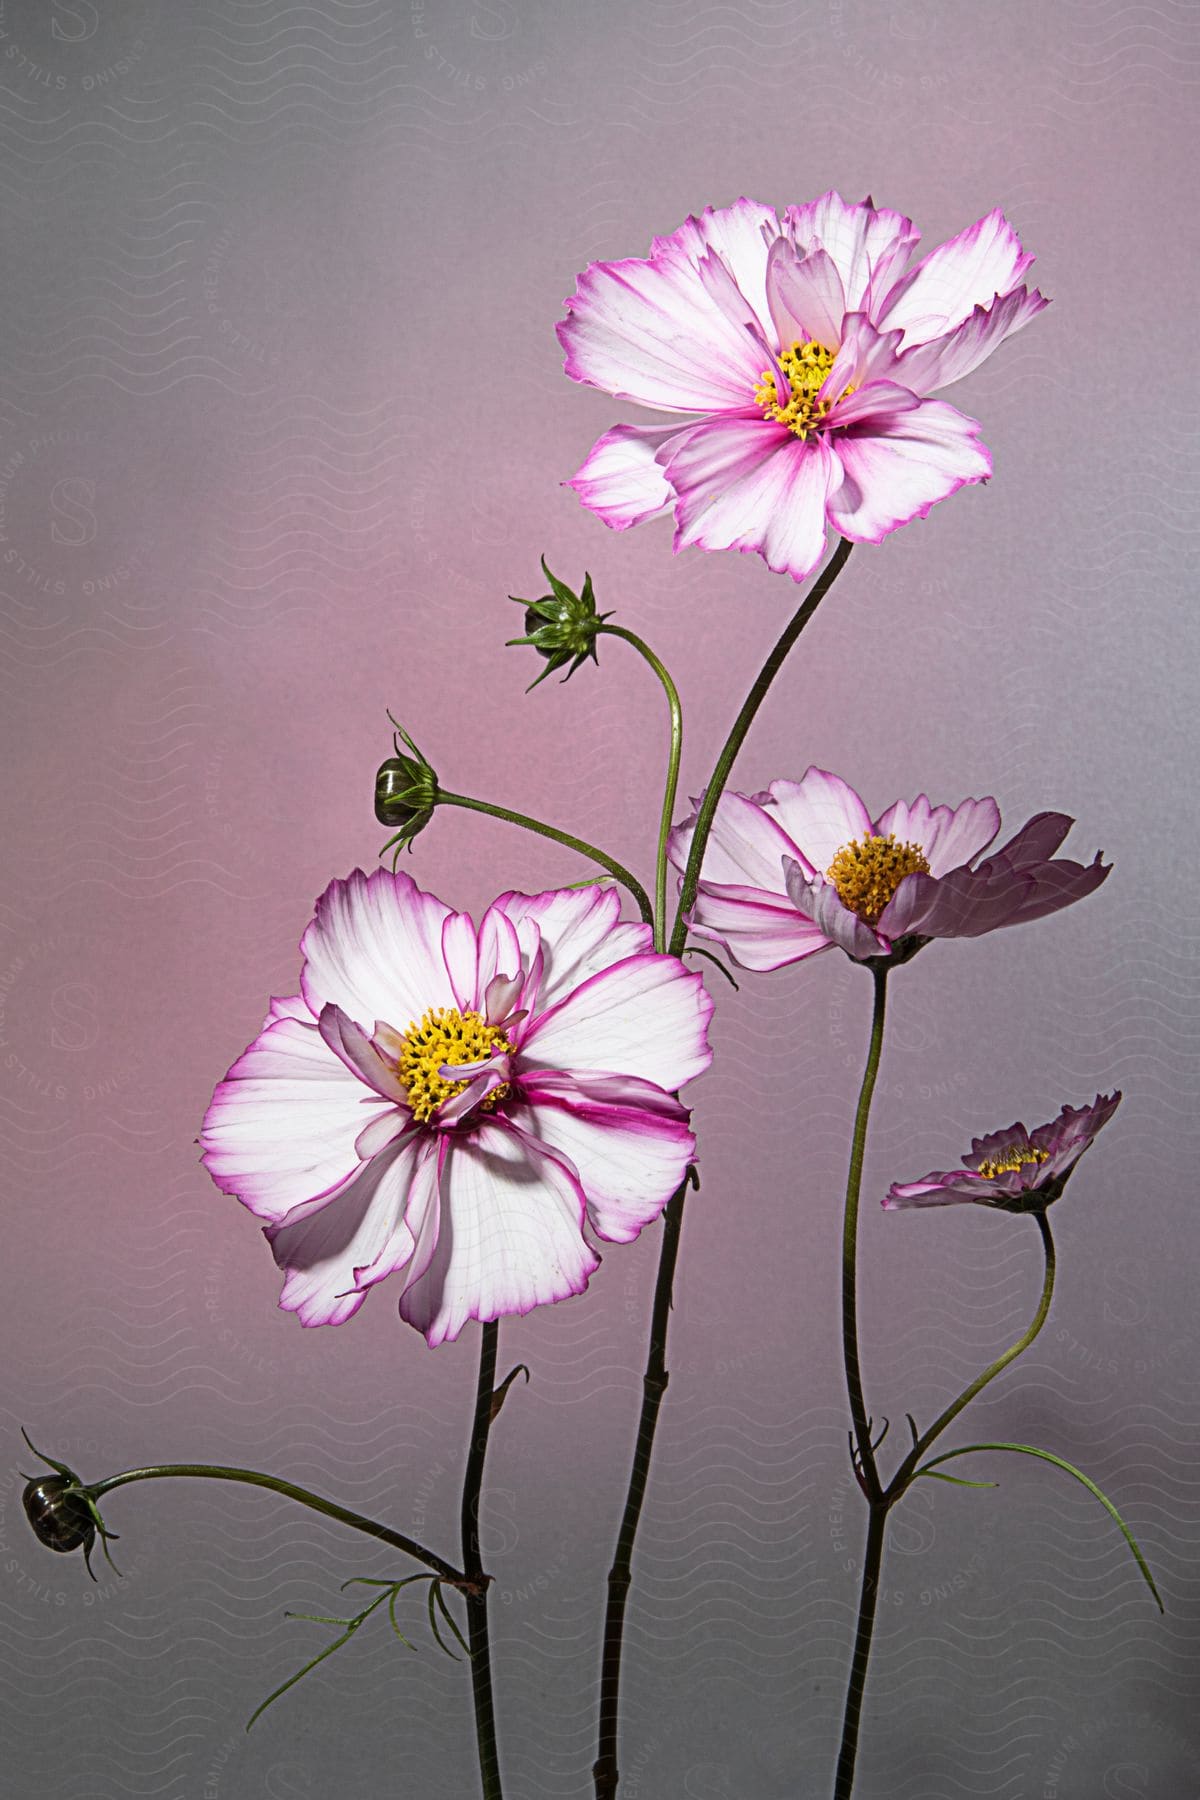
(654, 1385)
(668, 808)
(854, 1387)
(736, 738)
(904, 1473)
(477, 1594)
(330, 1508)
(610, 863)
(856, 1687)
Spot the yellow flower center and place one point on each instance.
(445, 1036)
(867, 872)
(805, 365)
(1015, 1157)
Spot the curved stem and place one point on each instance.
(854, 1387)
(605, 1773)
(856, 1688)
(477, 1594)
(736, 738)
(668, 808)
(610, 863)
(904, 1473)
(289, 1490)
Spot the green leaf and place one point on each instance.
(1089, 1484)
(936, 1475)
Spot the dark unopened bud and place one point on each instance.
(406, 792)
(561, 626)
(59, 1513)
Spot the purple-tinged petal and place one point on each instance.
(351, 1045)
(375, 949)
(740, 234)
(745, 847)
(945, 287)
(866, 356)
(501, 996)
(940, 1188)
(746, 483)
(333, 1256)
(511, 1234)
(865, 242)
(877, 400)
(927, 367)
(620, 480)
(281, 1127)
(499, 949)
(901, 466)
(649, 332)
(805, 294)
(646, 1016)
(1053, 885)
(820, 813)
(1036, 842)
(383, 1130)
(629, 1161)
(760, 931)
(949, 835)
(818, 900)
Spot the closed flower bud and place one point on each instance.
(59, 1513)
(561, 626)
(406, 791)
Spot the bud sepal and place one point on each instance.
(406, 792)
(562, 626)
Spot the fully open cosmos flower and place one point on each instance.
(456, 1102)
(1016, 1170)
(803, 866)
(808, 349)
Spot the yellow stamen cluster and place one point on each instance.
(867, 872)
(445, 1036)
(1015, 1157)
(805, 365)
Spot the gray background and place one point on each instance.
(283, 421)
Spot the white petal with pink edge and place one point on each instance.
(620, 480)
(927, 367)
(948, 835)
(820, 813)
(946, 286)
(647, 1016)
(351, 1045)
(746, 845)
(739, 234)
(629, 1160)
(375, 950)
(806, 296)
(333, 1256)
(746, 483)
(281, 1128)
(819, 901)
(866, 242)
(581, 934)
(899, 466)
(511, 1235)
(759, 931)
(649, 332)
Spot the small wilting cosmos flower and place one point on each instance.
(456, 1103)
(808, 350)
(802, 866)
(1016, 1170)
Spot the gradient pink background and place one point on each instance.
(283, 421)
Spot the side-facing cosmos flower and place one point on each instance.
(803, 866)
(1016, 1170)
(457, 1102)
(805, 352)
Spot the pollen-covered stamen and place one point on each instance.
(805, 366)
(447, 1039)
(867, 872)
(1016, 1156)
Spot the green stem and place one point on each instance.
(620, 1577)
(610, 863)
(668, 808)
(850, 1353)
(289, 1490)
(904, 1473)
(856, 1688)
(477, 1594)
(741, 725)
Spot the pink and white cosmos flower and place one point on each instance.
(808, 351)
(457, 1103)
(1015, 1170)
(803, 866)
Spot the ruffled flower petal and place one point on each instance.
(982, 263)
(760, 931)
(375, 950)
(927, 367)
(581, 933)
(897, 468)
(351, 1045)
(746, 845)
(620, 480)
(820, 813)
(630, 1158)
(949, 835)
(647, 1016)
(746, 483)
(511, 1234)
(865, 242)
(805, 294)
(739, 234)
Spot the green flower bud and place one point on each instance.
(406, 792)
(561, 626)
